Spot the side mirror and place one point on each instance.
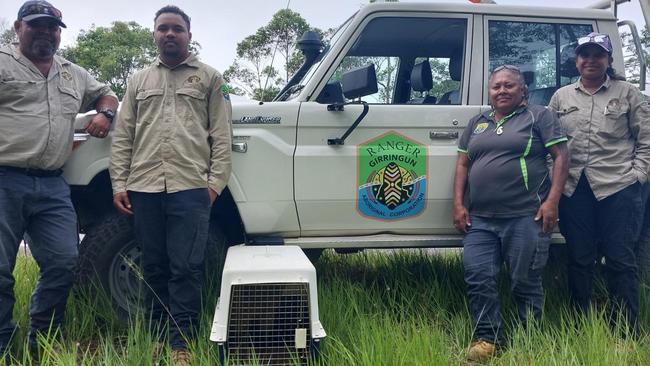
(332, 93)
(360, 82)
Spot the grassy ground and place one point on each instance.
(402, 309)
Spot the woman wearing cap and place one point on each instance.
(607, 121)
(512, 203)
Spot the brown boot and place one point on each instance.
(181, 357)
(481, 351)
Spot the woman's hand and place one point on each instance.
(461, 218)
(548, 213)
(460, 213)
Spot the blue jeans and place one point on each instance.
(173, 231)
(521, 244)
(613, 223)
(40, 207)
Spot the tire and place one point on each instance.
(109, 260)
(109, 257)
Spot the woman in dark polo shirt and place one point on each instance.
(511, 205)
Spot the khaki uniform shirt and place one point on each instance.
(37, 113)
(609, 135)
(173, 130)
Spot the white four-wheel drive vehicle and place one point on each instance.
(358, 150)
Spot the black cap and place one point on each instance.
(34, 9)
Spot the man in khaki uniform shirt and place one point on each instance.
(170, 160)
(40, 96)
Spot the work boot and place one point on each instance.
(158, 350)
(181, 357)
(481, 351)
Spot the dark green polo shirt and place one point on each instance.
(508, 173)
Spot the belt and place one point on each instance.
(33, 172)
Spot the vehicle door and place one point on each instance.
(394, 172)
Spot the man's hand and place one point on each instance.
(213, 195)
(122, 203)
(98, 126)
(461, 218)
(548, 213)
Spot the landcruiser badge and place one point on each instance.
(392, 178)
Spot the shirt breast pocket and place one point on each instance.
(615, 122)
(569, 120)
(192, 107)
(70, 101)
(146, 99)
(18, 94)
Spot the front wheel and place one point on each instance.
(110, 258)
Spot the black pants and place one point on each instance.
(173, 229)
(614, 224)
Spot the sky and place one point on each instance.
(218, 25)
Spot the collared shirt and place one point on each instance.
(508, 174)
(173, 130)
(609, 135)
(37, 113)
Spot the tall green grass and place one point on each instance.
(405, 308)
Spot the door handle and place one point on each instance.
(240, 147)
(447, 135)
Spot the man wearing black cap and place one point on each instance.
(40, 96)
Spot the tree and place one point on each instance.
(253, 72)
(283, 30)
(7, 33)
(630, 58)
(250, 71)
(113, 54)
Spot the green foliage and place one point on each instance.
(631, 60)
(255, 71)
(8, 37)
(7, 33)
(404, 308)
(113, 54)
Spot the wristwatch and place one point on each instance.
(109, 113)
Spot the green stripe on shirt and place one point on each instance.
(556, 141)
(522, 159)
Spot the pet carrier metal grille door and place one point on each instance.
(269, 323)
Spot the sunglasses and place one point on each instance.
(506, 67)
(601, 38)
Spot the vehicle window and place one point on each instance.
(544, 52)
(400, 56)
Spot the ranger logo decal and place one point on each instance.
(392, 177)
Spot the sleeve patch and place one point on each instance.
(225, 91)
